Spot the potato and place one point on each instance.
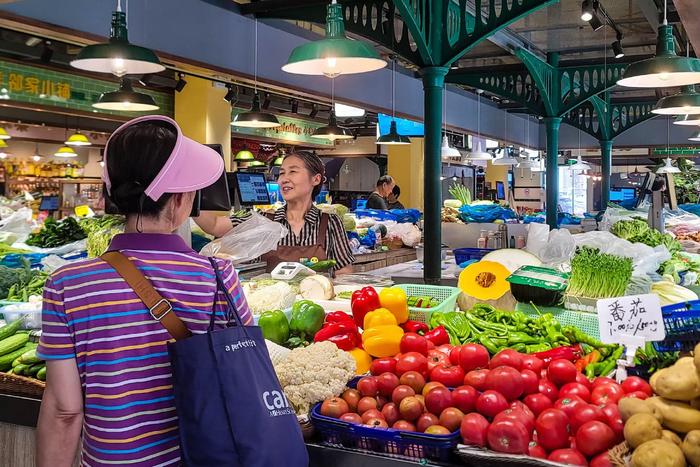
(696, 353)
(658, 453)
(629, 406)
(695, 403)
(671, 436)
(677, 416)
(691, 447)
(640, 428)
(679, 382)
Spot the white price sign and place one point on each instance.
(631, 318)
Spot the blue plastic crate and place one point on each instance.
(682, 323)
(463, 255)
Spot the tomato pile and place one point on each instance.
(511, 403)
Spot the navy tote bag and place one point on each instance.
(231, 408)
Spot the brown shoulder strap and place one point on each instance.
(323, 229)
(161, 310)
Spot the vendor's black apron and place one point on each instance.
(285, 253)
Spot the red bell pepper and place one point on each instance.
(340, 329)
(363, 301)
(415, 326)
(569, 352)
(438, 336)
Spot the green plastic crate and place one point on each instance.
(585, 321)
(446, 295)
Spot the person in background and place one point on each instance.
(312, 234)
(109, 378)
(378, 198)
(393, 198)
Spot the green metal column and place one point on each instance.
(606, 164)
(433, 81)
(553, 124)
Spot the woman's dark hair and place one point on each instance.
(314, 165)
(135, 156)
(385, 179)
(396, 191)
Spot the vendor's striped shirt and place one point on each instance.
(91, 315)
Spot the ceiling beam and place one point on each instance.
(650, 12)
(689, 11)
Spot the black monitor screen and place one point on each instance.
(49, 203)
(215, 197)
(500, 191)
(252, 188)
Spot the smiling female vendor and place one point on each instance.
(311, 232)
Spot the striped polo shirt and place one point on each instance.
(91, 315)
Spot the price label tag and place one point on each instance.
(83, 211)
(631, 318)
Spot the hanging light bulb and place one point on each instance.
(668, 167)
(335, 54)
(118, 56)
(447, 151)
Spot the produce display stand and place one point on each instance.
(372, 261)
(19, 415)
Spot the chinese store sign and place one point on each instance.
(44, 86)
(636, 316)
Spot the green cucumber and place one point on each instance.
(10, 329)
(13, 343)
(34, 369)
(29, 357)
(6, 360)
(20, 369)
(41, 375)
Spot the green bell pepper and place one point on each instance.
(307, 319)
(274, 326)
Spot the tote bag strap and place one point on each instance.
(222, 287)
(160, 309)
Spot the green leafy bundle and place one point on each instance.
(598, 275)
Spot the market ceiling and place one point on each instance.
(556, 27)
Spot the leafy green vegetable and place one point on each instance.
(598, 275)
(460, 192)
(638, 231)
(100, 231)
(57, 233)
(11, 277)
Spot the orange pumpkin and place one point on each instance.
(485, 280)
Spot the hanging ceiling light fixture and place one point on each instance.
(77, 138)
(332, 131)
(590, 12)
(277, 161)
(695, 137)
(666, 68)
(3, 144)
(244, 155)
(687, 120)
(118, 56)
(126, 99)
(507, 157)
(335, 54)
(447, 152)
(618, 51)
(3, 134)
(668, 167)
(686, 102)
(393, 137)
(255, 118)
(65, 151)
(477, 153)
(538, 165)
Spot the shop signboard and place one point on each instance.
(686, 151)
(291, 131)
(48, 87)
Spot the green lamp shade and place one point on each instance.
(77, 139)
(685, 102)
(244, 155)
(695, 137)
(255, 118)
(393, 137)
(118, 56)
(3, 144)
(335, 54)
(3, 134)
(332, 131)
(125, 99)
(277, 162)
(665, 69)
(256, 164)
(687, 120)
(65, 151)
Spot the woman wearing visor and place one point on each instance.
(109, 376)
(312, 234)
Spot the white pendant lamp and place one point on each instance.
(477, 153)
(668, 167)
(447, 151)
(687, 120)
(695, 137)
(505, 158)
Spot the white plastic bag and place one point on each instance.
(248, 240)
(20, 224)
(537, 237)
(559, 249)
(409, 234)
(74, 247)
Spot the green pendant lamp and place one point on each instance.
(257, 165)
(686, 102)
(332, 131)
(277, 161)
(3, 134)
(65, 151)
(666, 68)
(335, 54)
(244, 155)
(393, 137)
(255, 118)
(687, 120)
(126, 99)
(695, 137)
(118, 56)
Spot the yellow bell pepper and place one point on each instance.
(363, 360)
(394, 299)
(379, 317)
